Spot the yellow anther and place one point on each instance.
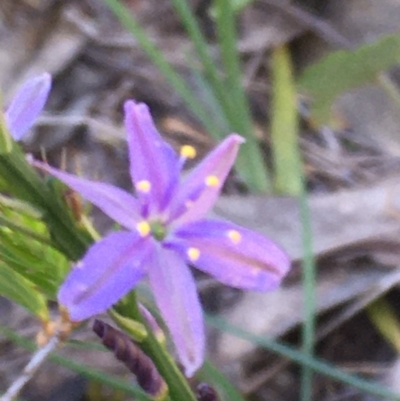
(193, 254)
(234, 236)
(144, 228)
(143, 186)
(187, 151)
(212, 181)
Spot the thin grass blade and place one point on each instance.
(299, 357)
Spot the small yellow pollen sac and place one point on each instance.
(212, 181)
(193, 254)
(144, 228)
(234, 236)
(143, 186)
(187, 151)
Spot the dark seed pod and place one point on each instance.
(133, 357)
(206, 393)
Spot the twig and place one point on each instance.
(30, 369)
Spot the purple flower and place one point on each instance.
(166, 232)
(27, 105)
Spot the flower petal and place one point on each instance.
(201, 188)
(108, 271)
(27, 104)
(234, 255)
(113, 201)
(152, 160)
(176, 296)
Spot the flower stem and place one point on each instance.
(179, 388)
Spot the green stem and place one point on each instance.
(289, 179)
(179, 389)
(309, 282)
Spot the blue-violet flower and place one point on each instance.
(166, 231)
(27, 104)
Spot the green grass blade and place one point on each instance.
(210, 103)
(289, 179)
(5, 136)
(309, 283)
(251, 163)
(201, 47)
(25, 230)
(299, 357)
(22, 291)
(284, 124)
(156, 56)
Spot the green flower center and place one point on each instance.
(158, 230)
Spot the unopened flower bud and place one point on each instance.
(134, 358)
(152, 322)
(206, 393)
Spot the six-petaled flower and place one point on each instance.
(165, 231)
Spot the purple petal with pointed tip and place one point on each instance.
(194, 199)
(176, 296)
(151, 158)
(27, 104)
(235, 256)
(109, 270)
(113, 201)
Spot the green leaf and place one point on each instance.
(20, 290)
(23, 182)
(384, 318)
(6, 141)
(284, 125)
(25, 246)
(344, 70)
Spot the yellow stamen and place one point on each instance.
(234, 236)
(187, 151)
(143, 186)
(212, 181)
(193, 254)
(144, 228)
